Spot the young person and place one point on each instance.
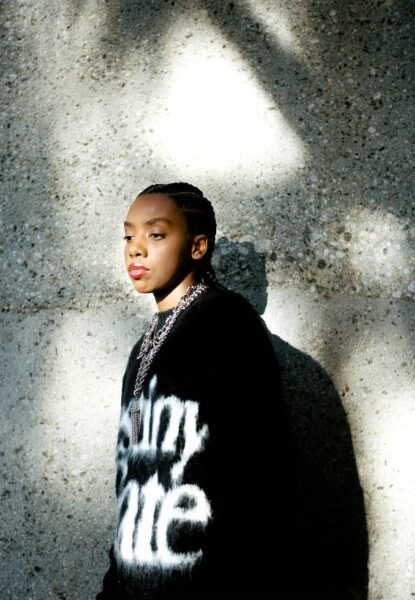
(203, 461)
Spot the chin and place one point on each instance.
(141, 286)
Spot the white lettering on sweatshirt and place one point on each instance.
(148, 512)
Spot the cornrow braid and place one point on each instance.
(200, 218)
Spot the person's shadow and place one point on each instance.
(330, 517)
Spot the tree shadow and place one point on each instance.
(333, 544)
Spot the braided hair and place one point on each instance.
(200, 218)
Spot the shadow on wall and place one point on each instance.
(345, 94)
(333, 557)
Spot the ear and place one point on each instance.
(199, 246)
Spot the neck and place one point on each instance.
(169, 298)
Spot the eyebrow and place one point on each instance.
(150, 221)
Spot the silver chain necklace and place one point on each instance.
(151, 344)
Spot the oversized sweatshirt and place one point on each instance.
(202, 501)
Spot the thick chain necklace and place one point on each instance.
(150, 346)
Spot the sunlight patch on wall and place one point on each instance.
(216, 116)
(396, 430)
(391, 515)
(275, 24)
(380, 251)
(380, 409)
(287, 315)
(82, 397)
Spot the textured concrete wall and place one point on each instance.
(296, 120)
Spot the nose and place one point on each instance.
(137, 248)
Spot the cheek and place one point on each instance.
(170, 257)
(167, 260)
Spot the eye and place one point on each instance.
(158, 235)
(127, 237)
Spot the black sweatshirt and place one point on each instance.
(203, 499)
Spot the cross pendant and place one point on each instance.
(135, 423)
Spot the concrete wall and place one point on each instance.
(296, 120)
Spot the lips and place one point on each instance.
(136, 270)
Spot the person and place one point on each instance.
(203, 464)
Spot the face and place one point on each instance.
(159, 251)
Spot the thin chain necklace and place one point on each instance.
(150, 346)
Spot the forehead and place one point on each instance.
(153, 205)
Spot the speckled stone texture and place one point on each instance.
(296, 120)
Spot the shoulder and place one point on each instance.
(224, 303)
(227, 318)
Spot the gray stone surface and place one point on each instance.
(296, 120)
